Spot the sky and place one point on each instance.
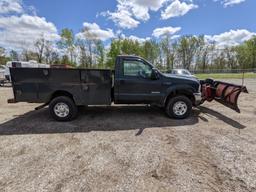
(226, 22)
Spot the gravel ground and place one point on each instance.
(125, 148)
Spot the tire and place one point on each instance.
(179, 107)
(63, 109)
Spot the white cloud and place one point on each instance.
(139, 39)
(158, 32)
(175, 37)
(135, 38)
(10, 6)
(93, 31)
(18, 32)
(231, 38)
(151, 4)
(19, 29)
(141, 8)
(122, 18)
(227, 3)
(176, 9)
(129, 14)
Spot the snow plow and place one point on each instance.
(222, 92)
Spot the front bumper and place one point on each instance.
(198, 98)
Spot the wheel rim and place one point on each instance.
(180, 108)
(61, 110)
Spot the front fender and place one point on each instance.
(179, 89)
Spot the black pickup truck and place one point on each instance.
(134, 81)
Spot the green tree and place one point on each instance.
(3, 58)
(168, 50)
(14, 56)
(131, 47)
(219, 61)
(203, 53)
(231, 59)
(29, 55)
(67, 43)
(186, 49)
(251, 48)
(40, 47)
(83, 56)
(151, 51)
(51, 54)
(101, 53)
(243, 56)
(65, 61)
(92, 49)
(114, 51)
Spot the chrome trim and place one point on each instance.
(199, 88)
(198, 98)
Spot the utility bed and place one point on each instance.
(38, 85)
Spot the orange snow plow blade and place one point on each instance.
(222, 92)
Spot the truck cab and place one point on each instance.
(137, 81)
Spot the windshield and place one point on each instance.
(185, 72)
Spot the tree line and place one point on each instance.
(188, 52)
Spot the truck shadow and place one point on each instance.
(225, 119)
(116, 118)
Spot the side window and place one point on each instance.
(135, 68)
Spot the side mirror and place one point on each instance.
(155, 74)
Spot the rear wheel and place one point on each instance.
(63, 109)
(179, 107)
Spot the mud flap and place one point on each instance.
(222, 92)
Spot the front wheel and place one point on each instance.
(63, 109)
(179, 107)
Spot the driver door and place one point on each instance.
(135, 85)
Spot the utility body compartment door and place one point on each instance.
(25, 84)
(96, 87)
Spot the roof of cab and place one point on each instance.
(128, 56)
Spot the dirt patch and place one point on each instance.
(124, 148)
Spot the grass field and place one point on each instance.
(226, 75)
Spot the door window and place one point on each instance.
(135, 68)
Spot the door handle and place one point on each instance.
(85, 87)
(46, 72)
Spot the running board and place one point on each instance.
(41, 106)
